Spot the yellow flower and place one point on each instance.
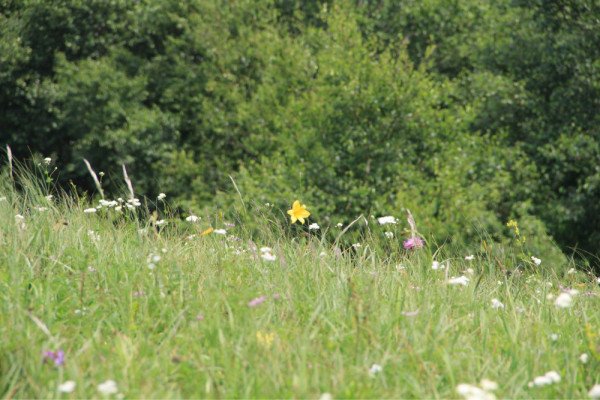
(206, 232)
(265, 339)
(298, 213)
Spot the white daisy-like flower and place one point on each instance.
(436, 265)
(583, 358)
(49, 197)
(193, 218)
(339, 225)
(314, 226)
(161, 222)
(536, 261)
(3, 198)
(161, 196)
(497, 304)
(19, 217)
(462, 280)
(389, 235)
(386, 220)
(108, 387)
(564, 300)
(356, 245)
(67, 387)
(220, 232)
(469, 258)
(375, 369)
(89, 210)
(572, 271)
(554, 337)
(47, 160)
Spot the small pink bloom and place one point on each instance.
(200, 317)
(257, 301)
(413, 243)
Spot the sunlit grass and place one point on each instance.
(165, 311)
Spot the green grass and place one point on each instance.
(331, 313)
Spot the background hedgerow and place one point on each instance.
(469, 113)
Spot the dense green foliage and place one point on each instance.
(470, 113)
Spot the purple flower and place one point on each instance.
(276, 296)
(58, 357)
(257, 301)
(414, 243)
(200, 317)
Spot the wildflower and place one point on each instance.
(200, 317)
(47, 160)
(375, 369)
(554, 337)
(118, 208)
(540, 381)
(536, 261)
(488, 386)
(91, 269)
(19, 217)
(472, 392)
(3, 198)
(326, 396)
(108, 387)
(553, 376)
(161, 222)
(206, 232)
(265, 339)
(463, 280)
(436, 265)
(220, 232)
(583, 358)
(497, 304)
(469, 258)
(413, 243)
(268, 256)
(67, 387)
(386, 220)
(49, 197)
(594, 392)
(339, 225)
(256, 301)
(58, 357)
(410, 313)
(89, 210)
(389, 235)
(42, 209)
(314, 227)
(161, 196)
(564, 300)
(298, 212)
(357, 245)
(192, 218)
(571, 271)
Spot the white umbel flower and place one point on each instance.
(108, 387)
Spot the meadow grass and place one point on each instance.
(167, 312)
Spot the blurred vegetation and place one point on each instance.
(470, 113)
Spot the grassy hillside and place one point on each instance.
(172, 309)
